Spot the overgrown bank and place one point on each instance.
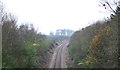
(23, 45)
(97, 45)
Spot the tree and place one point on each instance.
(1, 14)
(109, 5)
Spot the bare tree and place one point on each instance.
(112, 6)
(1, 11)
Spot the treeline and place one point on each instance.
(58, 38)
(21, 45)
(96, 46)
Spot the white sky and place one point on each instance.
(49, 15)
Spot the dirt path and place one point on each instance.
(58, 58)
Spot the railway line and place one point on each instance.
(58, 58)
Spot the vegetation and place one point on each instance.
(96, 46)
(21, 45)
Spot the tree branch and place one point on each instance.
(110, 7)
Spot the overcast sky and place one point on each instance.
(49, 15)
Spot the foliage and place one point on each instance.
(21, 45)
(102, 48)
(96, 45)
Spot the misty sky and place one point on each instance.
(49, 15)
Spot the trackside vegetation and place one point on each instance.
(21, 45)
(96, 46)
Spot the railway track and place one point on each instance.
(58, 59)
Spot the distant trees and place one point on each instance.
(64, 32)
(61, 34)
